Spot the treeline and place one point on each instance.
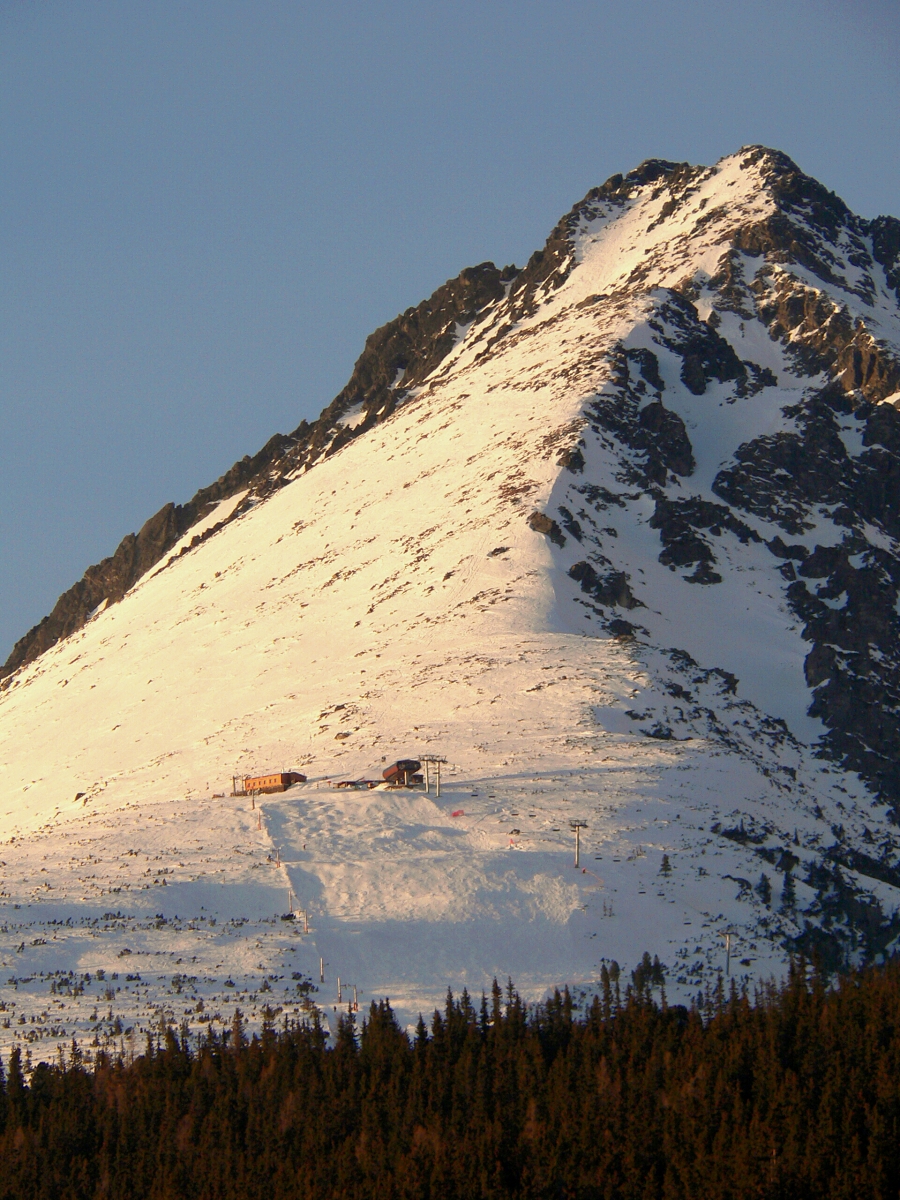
(794, 1094)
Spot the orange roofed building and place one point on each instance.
(279, 782)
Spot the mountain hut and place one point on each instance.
(279, 782)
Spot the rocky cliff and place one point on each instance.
(395, 358)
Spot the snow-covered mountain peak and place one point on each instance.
(615, 534)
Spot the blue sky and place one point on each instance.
(206, 207)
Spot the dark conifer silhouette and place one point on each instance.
(794, 1093)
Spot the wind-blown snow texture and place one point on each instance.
(617, 537)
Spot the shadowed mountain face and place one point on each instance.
(616, 531)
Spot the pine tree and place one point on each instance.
(238, 1038)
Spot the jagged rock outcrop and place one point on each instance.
(111, 578)
(395, 359)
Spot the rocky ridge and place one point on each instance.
(810, 227)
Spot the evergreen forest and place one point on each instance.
(793, 1092)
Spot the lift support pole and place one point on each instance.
(578, 826)
(433, 760)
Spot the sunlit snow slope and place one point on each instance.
(534, 568)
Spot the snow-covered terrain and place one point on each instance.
(477, 577)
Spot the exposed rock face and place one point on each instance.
(846, 594)
(110, 579)
(656, 435)
(610, 589)
(541, 523)
(705, 355)
(395, 359)
(885, 234)
(679, 522)
(400, 355)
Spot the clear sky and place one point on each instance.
(208, 204)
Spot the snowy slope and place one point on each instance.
(478, 576)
